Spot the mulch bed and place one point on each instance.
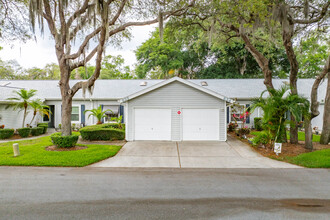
(54, 148)
(117, 142)
(288, 150)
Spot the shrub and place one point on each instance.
(6, 133)
(243, 131)
(64, 141)
(258, 123)
(37, 131)
(232, 126)
(98, 132)
(111, 125)
(262, 137)
(24, 132)
(44, 127)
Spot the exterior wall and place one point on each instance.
(175, 96)
(318, 121)
(14, 118)
(88, 106)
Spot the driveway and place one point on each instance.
(190, 154)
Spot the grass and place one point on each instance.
(33, 153)
(316, 159)
(301, 136)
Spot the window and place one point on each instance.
(238, 113)
(75, 113)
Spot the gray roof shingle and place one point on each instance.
(116, 89)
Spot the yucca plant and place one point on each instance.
(275, 107)
(21, 101)
(98, 113)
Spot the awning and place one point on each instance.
(113, 108)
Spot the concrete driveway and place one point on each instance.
(190, 154)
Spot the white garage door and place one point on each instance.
(152, 124)
(200, 124)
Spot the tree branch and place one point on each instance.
(323, 12)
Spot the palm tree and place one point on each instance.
(275, 108)
(39, 107)
(98, 113)
(22, 101)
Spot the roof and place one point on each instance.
(175, 79)
(118, 89)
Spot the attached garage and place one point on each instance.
(175, 110)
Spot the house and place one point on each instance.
(126, 97)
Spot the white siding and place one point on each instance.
(14, 118)
(175, 96)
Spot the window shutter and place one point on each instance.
(102, 120)
(227, 115)
(82, 109)
(248, 117)
(121, 112)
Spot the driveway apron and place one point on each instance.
(190, 154)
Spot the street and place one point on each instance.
(127, 193)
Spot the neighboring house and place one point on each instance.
(174, 93)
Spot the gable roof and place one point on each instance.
(118, 89)
(171, 80)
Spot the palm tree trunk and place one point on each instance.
(34, 115)
(24, 117)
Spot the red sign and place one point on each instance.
(179, 112)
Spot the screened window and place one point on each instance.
(75, 113)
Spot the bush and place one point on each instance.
(232, 127)
(24, 132)
(64, 141)
(98, 132)
(44, 128)
(37, 131)
(111, 125)
(243, 131)
(258, 123)
(262, 137)
(6, 133)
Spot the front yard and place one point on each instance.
(296, 153)
(33, 153)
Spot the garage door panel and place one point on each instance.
(200, 124)
(152, 124)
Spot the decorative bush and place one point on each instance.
(64, 141)
(243, 131)
(258, 123)
(6, 133)
(262, 137)
(44, 127)
(24, 132)
(232, 126)
(37, 131)
(112, 125)
(97, 132)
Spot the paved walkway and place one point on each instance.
(190, 154)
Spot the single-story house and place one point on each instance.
(173, 109)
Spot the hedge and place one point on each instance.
(97, 132)
(110, 125)
(6, 133)
(44, 128)
(258, 123)
(37, 131)
(24, 132)
(64, 141)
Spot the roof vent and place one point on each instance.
(5, 84)
(286, 82)
(204, 83)
(143, 83)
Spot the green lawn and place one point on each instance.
(301, 136)
(316, 159)
(33, 153)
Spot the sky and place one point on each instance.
(38, 53)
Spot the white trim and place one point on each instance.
(165, 82)
(79, 112)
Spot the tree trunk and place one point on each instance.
(24, 116)
(308, 134)
(34, 115)
(325, 136)
(66, 115)
(314, 103)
